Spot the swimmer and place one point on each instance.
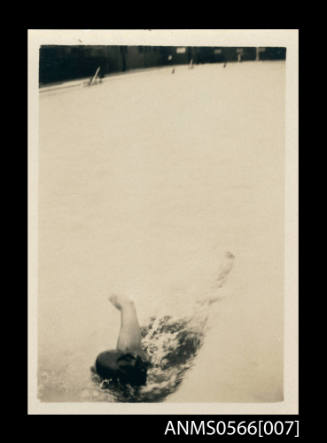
(128, 363)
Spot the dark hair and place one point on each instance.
(125, 368)
(132, 370)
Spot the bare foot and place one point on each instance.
(212, 294)
(225, 269)
(119, 301)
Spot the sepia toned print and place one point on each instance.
(161, 187)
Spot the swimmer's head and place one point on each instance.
(125, 368)
(132, 370)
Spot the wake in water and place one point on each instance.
(172, 345)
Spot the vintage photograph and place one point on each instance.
(159, 223)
